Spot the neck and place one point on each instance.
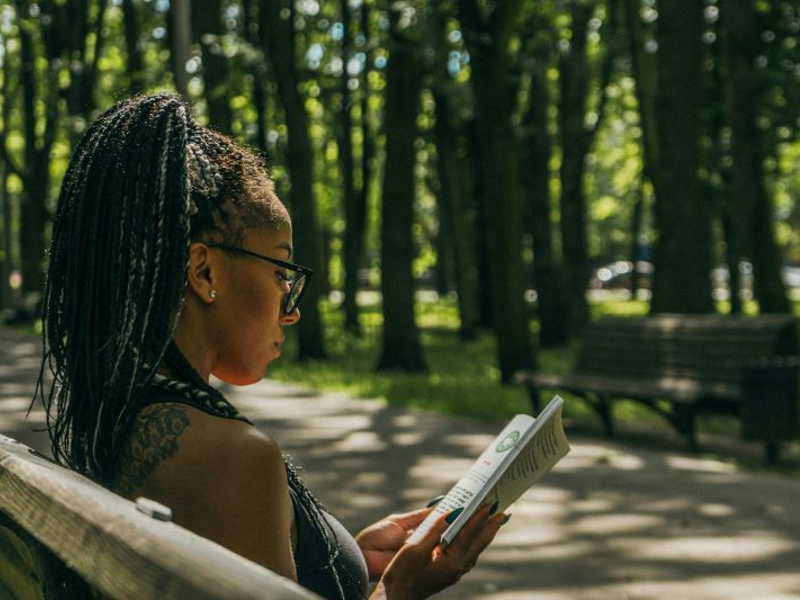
(194, 349)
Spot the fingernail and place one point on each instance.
(505, 519)
(494, 507)
(434, 501)
(453, 515)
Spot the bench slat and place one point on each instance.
(676, 389)
(117, 549)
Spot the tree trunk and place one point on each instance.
(441, 242)
(753, 234)
(36, 169)
(451, 207)
(260, 74)
(180, 29)
(7, 262)
(502, 198)
(368, 135)
(354, 210)
(574, 76)
(401, 347)
(548, 274)
(636, 229)
(134, 66)
(472, 175)
(208, 29)
(644, 72)
(277, 19)
(682, 255)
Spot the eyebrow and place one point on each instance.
(286, 247)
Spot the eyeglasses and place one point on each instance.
(297, 286)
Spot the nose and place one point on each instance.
(290, 318)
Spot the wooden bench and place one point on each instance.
(680, 365)
(62, 536)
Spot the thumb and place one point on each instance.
(411, 520)
(431, 539)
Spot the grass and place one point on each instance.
(462, 377)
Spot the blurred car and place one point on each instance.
(617, 275)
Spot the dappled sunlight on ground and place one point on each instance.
(613, 520)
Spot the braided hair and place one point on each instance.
(144, 181)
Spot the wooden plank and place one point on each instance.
(115, 548)
(675, 389)
(20, 577)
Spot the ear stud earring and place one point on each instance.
(213, 294)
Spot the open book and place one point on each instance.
(523, 452)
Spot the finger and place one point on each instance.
(410, 520)
(432, 537)
(434, 501)
(464, 539)
(484, 537)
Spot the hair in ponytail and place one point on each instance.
(143, 182)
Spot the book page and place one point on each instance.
(544, 448)
(520, 455)
(476, 479)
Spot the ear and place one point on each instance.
(204, 270)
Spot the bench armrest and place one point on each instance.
(770, 409)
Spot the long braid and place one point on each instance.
(109, 309)
(143, 182)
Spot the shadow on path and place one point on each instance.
(613, 520)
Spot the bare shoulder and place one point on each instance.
(223, 479)
(172, 442)
(155, 437)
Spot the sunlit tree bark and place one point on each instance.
(277, 20)
(487, 37)
(401, 348)
(753, 234)
(682, 255)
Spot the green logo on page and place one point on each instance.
(508, 442)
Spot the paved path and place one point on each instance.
(611, 521)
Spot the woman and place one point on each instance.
(170, 263)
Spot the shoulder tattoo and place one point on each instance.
(153, 439)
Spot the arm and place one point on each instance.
(238, 497)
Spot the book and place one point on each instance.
(524, 451)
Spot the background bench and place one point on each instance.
(680, 365)
(62, 536)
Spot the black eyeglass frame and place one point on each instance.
(306, 272)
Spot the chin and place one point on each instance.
(241, 378)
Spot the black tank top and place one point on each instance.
(327, 558)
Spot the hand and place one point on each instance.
(425, 568)
(381, 541)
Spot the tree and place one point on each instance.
(536, 145)
(180, 28)
(355, 209)
(277, 21)
(577, 137)
(451, 197)
(488, 36)
(208, 29)
(34, 171)
(135, 69)
(6, 251)
(753, 228)
(682, 255)
(400, 348)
